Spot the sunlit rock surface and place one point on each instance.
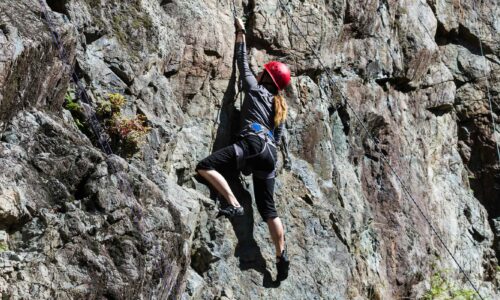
(78, 224)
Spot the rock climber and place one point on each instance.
(263, 115)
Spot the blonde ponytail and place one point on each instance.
(280, 109)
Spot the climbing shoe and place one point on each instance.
(282, 265)
(231, 211)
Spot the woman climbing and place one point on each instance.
(263, 115)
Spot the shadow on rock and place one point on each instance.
(247, 249)
(228, 115)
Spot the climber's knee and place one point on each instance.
(271, 218)
(201, 171)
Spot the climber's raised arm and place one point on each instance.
(249, 80)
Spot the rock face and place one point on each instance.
(76, 223)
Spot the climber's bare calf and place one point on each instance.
(220, 184)
(277, 234)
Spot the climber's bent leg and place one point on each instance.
(210, 167)
(220, 184)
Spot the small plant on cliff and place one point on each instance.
(94, 3)
(3, 247)
(110, 107)
(117, 101)
(127, 133)
(439, 286)
(442, 288)
(130, 132)
(69, 102)
(76, 110)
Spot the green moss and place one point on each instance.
(132, 27)
(117, 26)
(3, 247)
(125, 20)
(142, 22)
(439, 286)
(442, 288)
(69, 102)
(136, 24)
(79, 124)
(77, 112)
(94, 3)
(466, 294)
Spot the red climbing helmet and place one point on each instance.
(279, 72)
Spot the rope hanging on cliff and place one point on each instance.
(81, 92)
(240, 81)
(165, 283)
(383, 158)
(488, 95)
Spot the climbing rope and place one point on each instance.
(240, 81)
(165, 285)
(487, 67)
(81, 92)
(383, 157)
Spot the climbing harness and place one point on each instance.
(255, 129)
(92, 120)
(259, 130)
(382, 156)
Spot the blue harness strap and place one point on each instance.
(258, 129)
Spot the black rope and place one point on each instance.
(81, 92)
(165, 284)
(240, 81)
(401, 182)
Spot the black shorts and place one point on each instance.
(225, 159)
